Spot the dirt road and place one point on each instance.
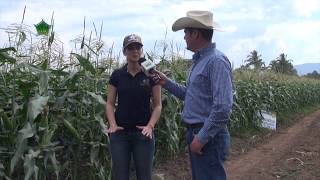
(289, 154)
(293, 154)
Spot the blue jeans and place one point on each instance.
(209, 165)
(126, 144)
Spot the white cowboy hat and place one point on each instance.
(196, 19)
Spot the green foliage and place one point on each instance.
(85, 63)
(283, 65)
(314, 75)
(267, 91)
(5, 56)
(254, 59)
(52, 122)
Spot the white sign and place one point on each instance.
(269, 120)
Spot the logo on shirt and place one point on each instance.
(145, 83)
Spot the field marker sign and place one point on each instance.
(269, 120)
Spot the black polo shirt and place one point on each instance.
(133, 94)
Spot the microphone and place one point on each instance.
(148, 68)
(147, 65)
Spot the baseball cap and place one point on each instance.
(132, 38)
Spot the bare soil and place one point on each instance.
(286, 154)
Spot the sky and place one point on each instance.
(270, 27)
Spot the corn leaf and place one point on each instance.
(36, 105)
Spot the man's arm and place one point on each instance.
(174, 88)
(221, 85)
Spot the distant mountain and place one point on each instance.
(306, 68)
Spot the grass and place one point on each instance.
(289, 118)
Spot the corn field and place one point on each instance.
(52, 119)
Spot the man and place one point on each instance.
(207, 97)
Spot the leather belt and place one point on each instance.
(194, 126)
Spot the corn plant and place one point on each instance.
(52, 122)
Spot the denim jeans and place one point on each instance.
(209, 165)
(125, 145)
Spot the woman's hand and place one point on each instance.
(146, 130)
(113, 129)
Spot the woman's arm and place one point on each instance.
(157, 106)
(110, 106)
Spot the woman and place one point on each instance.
(131, 125)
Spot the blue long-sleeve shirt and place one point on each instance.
(208, 93)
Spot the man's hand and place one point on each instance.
(158, 77)
(146, 130)
(196, 146)
(113, 129)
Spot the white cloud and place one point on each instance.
(146, 16)
(306, 7)
(3, 38)
(301, 39)
(230, 29)
(256, 13)
(238, 52)
(247, 25)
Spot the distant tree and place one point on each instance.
(253, 59)
(283, 65)
(314, 75)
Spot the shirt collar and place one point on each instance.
(126, 71)
(196, 56)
